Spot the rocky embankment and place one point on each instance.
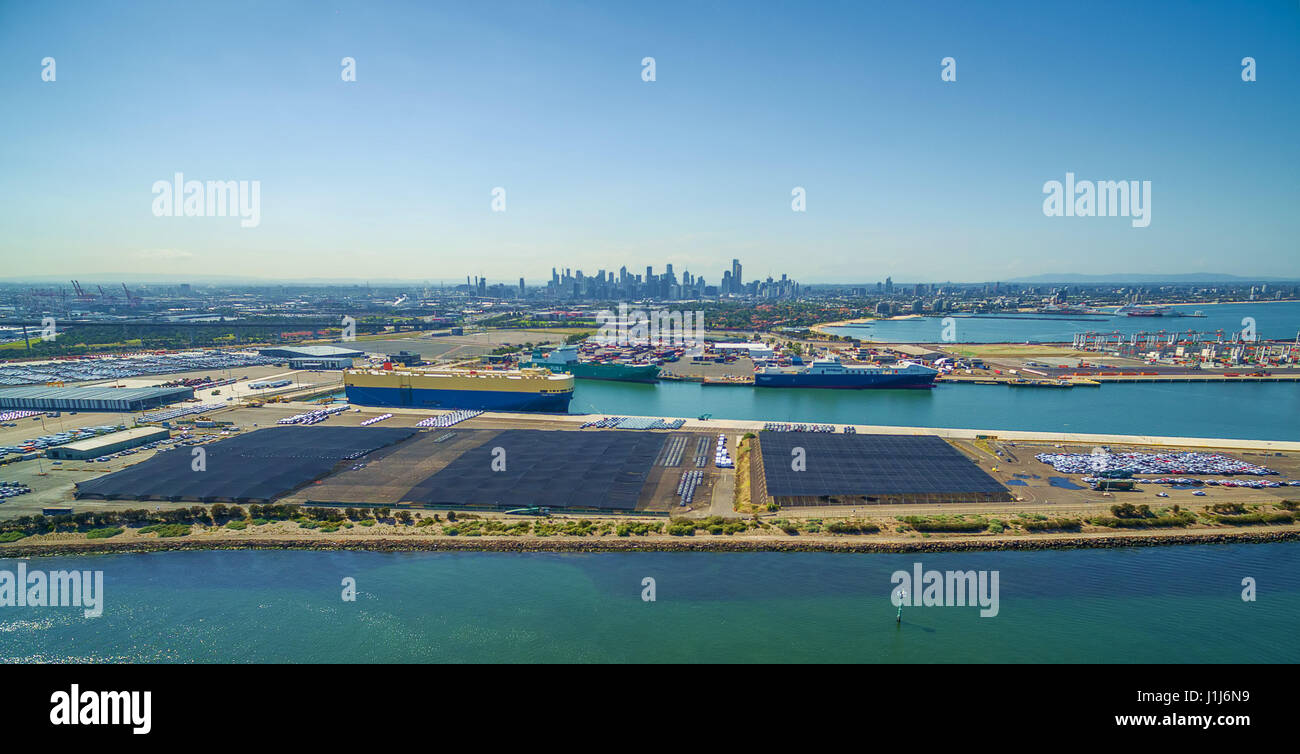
(643, 544)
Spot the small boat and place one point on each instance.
(1040, 383)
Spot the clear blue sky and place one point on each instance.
(390, 176)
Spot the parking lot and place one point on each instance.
(109, 368)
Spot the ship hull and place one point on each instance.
(482, 400)
(844, 381)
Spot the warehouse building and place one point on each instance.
(406, 358)
(311, 352)
(321, 362)
(44, 398)
(754, 351)
(107, 444)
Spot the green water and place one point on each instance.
(1261, 411)
(1253, 411)
(1171, 604)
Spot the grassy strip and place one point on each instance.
(1053, 524)
(852, 527)
(945, 523)
(166, 530)
(1153, 522)
(105, 533)
(686, 527)
(1249, 519)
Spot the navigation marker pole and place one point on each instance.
(902, 593)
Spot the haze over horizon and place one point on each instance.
(218, 280)
(390, 176)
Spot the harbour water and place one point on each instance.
(1273, 320)
(1260, 411)
(1162, 604)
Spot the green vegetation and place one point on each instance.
(547, 528)
(852, 527)
(639, 528)
(105, 533)
(1247, 519)
(485, 527)
(237, 525)
(166, 530)
(1128, 510)
(1152, 521)
(717, 525)
(91, 520)
(11, 536)
(945, 523)
(1053, 524)
(81, 338)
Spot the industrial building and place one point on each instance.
(45, 398)
(107, 444)
(311, 352)
(754, 351)
(406, 358)
(321, 362)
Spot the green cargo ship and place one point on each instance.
(565, 359)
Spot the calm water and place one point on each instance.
(1144, 604)
(1261, 411)
(1272, 321)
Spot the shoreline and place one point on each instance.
(867, 320)
(698, 543)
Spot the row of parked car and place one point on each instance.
(12, 489)
(120, 367)
(58, 438)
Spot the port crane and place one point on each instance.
(130, 300)
(81, 292)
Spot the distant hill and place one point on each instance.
(1189, 277)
